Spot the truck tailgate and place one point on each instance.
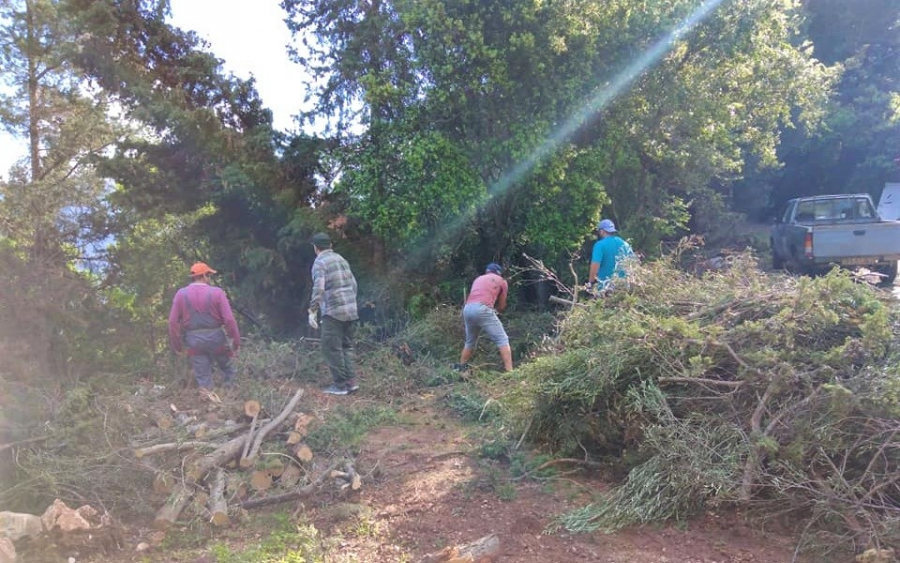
(848, 241)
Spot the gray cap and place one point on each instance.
(321, 240)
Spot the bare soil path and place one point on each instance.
(430, 492)
(425, 487)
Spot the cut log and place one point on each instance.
(218, 507)
(348, 478)
(294, 438)
(162, 420)
(275, 467)
(198, 430)
(198, 505)
(484, 550)
(261, 480)
(291, 476)
(303, 453)
(174, 446)
(302, 492)
(252, 411)
(230, 427)
(217, 458)
(252, 408)
(169, 513)
(235, 486)
(265, 430)
(301, 425)
(207, 430)
(355, 480)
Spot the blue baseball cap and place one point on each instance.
(494, 268)
(606, 225)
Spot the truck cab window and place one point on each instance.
(844, 209)
(864, 209)
(806, 211)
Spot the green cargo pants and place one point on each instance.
(337, 347)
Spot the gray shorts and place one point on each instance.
(480, 317)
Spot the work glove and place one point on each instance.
(312, 320)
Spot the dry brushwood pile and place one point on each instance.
(221, 469)
(775, 394)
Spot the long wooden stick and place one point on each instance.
(288, 409)
(249, 440)
(174, 446)
(222, 455)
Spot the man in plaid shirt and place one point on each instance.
(334, 294)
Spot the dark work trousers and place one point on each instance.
(205, 347)
(337, 347)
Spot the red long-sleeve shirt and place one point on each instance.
(219, 309)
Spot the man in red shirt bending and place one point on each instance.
(199, 321)
(486, 298)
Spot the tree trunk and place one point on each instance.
(34, 139)
(222, 455)
(169, 513)
(218, 507)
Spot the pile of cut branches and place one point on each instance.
(764, 391)
(216, 468)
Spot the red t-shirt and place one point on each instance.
(219, 308)
(486, 289)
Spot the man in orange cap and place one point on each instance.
(198, 322)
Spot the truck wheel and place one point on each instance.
(890, 272)
(777, 261)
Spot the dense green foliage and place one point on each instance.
(516, 100)
(462, 132)
(736, 386)
(857, 148)
(145, 156)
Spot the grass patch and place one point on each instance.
(288, 542)
(472, 406)
(344, 430)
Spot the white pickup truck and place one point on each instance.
(817, 232)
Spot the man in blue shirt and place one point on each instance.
(607, 257)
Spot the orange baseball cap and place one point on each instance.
(201, 269)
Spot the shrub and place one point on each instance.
(734, 386)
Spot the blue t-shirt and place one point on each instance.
(608, 252)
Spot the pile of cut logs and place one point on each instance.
(217, 477)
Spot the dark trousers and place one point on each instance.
(208, 347)
(337, 347)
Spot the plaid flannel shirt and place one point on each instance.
(334, 287)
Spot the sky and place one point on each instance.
(249, 40)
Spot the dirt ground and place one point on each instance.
(430, 494)
(426, 488)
